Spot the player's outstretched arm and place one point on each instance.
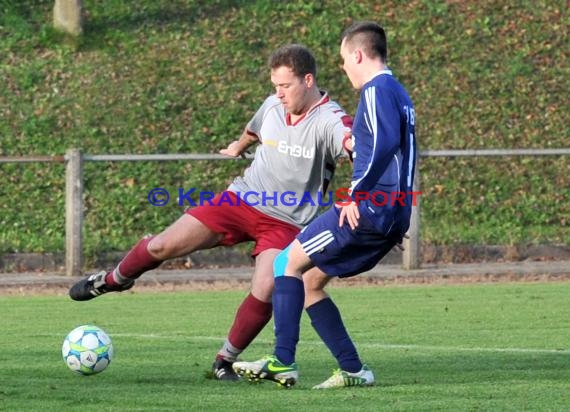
(238, 147)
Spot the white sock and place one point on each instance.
(118, 278)
(229, 352)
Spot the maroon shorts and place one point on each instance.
(239, 222)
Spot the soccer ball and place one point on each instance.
(87, 350)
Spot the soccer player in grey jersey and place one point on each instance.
(301, 133)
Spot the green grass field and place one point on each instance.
(499, 347)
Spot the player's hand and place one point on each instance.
(400, 245)
(349, 213)
(233, 149)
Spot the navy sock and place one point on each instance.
(326, 319)
(288, 301)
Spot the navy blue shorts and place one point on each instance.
(341, 251)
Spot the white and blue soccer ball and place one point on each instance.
(87, 350)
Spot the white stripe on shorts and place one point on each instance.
(318, 242)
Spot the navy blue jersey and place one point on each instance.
(384, 153)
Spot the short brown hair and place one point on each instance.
(368, 35)
(296, 57)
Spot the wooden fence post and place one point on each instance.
(412, 253)
(68, 16)
(73, 212)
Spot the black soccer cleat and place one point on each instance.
(222, 370)
(93, 286)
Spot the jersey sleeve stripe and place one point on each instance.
(370, 98)
(411, 160)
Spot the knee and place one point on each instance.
(262, 287)
(312, 284)
(158, 248)
(315, 281)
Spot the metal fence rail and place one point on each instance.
(495, 152)
(74, 160)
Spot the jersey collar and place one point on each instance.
(384, 71)
(324, 99)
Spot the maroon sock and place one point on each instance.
(109, 280)
(135, 263)
(251, 318)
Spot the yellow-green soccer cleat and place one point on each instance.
(342, 379)
(268, 368)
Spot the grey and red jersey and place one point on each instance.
(294, 159)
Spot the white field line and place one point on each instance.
(181, 336)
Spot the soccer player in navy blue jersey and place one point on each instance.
(355, 235)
